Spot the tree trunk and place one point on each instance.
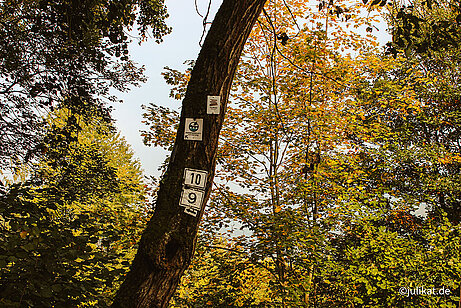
(167, 245)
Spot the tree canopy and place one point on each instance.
(329, 150)
(332, 169)
(65, 53)
(69, 230)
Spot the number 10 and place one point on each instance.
(198, 178)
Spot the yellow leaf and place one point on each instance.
(23, 234)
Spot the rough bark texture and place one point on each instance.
(168, 243)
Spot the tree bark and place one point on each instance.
(167, 245)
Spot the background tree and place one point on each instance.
(424, 27)
(223, 275)
(429, 131)
(317, 169)
(67, 53)
(69, 231)
(274, 130)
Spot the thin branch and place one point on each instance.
(204, 22)
(293, 17)
(273, 72)
(224, 248)
(197, 10)
(291, 62)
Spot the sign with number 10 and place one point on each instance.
(195, 178)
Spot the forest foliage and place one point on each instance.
(70, 226)
(338, 166)
(72, 197)
(338, 175)
(65, 53)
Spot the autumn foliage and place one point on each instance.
(338, 168)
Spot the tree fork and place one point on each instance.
(168, 242)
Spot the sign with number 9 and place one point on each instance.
(191, 197)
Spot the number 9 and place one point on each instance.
(192, 198)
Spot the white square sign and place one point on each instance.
(213, 104)
(193, 129)
(191, 211)
(191, 198)
(195, 178)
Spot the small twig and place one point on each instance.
(197, 10)
(204, 22)
(292, 16)
(291, 62)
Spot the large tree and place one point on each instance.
(168, 243)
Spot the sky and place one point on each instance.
(180, 45)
